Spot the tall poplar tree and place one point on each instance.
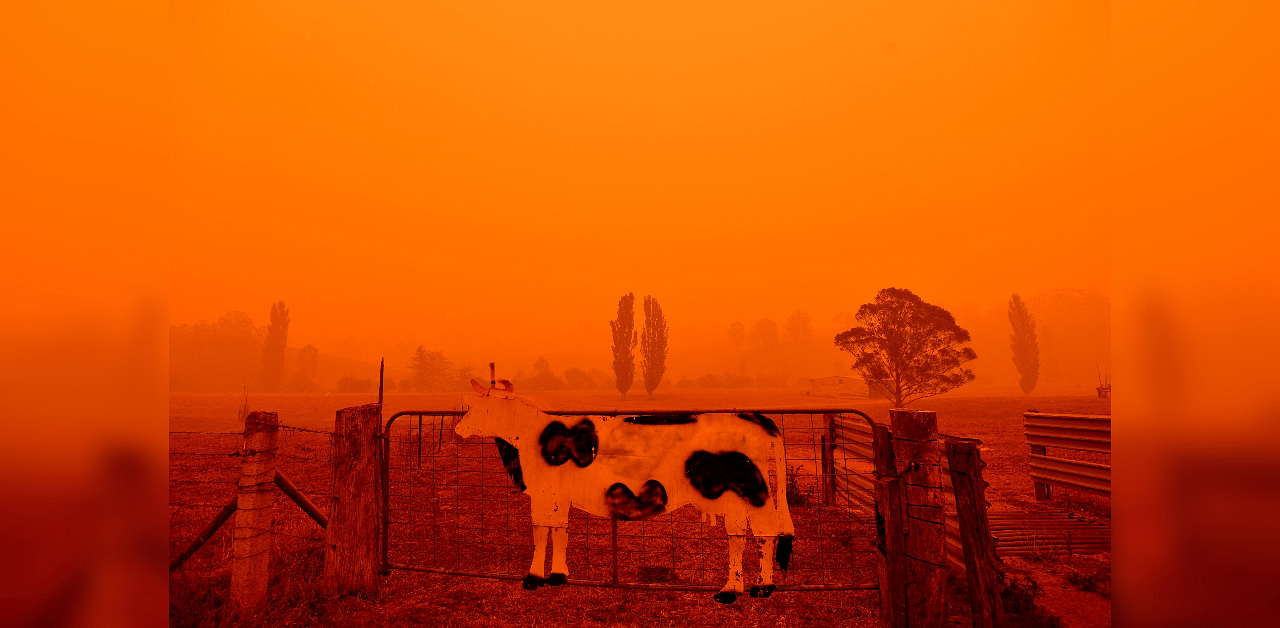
(273, 348)
(653, 345)
(1026, 351)
(624, 341)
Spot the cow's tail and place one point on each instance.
(786, 534)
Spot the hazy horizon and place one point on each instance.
(1073, 326)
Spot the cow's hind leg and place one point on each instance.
(733, 586)
(559, 548)
(765, 588)
(537, 571)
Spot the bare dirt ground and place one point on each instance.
(1075, 589)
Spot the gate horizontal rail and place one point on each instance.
(449, 507)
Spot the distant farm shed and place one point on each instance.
(838, 386)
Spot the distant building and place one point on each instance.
(838, 386)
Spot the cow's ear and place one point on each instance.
(480, 390)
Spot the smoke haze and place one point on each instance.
(487, 183)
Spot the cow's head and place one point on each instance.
(491, 411)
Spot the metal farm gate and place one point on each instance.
(450, 507)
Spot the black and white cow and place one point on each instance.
(633, 467)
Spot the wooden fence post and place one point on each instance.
(981, 565)
(917, 451)
(1042, 489)
(891, 572)
(351, 541)
(251, 544)
(889, 530)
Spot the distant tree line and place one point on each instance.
(222, 356)
(231, 354)
(431, 372)
(573, 378)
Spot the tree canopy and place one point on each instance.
(432, 372)
(906, 348)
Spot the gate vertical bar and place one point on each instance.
(830, 455)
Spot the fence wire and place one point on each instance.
(204, 472)
(452, 508)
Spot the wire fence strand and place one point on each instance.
(452, 507)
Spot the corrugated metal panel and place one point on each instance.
(1024, 533)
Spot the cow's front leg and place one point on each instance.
(765, 588)
(559, 548)
(537, 571)
(733, 587)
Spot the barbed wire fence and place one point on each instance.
(205, 480)
(449, 506)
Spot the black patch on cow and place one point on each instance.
(557, 579)
(725, 597)
(761, 420)
(627, 506)
(763, 591)
(713, 474)
(661, 419)
(532, 582)
(783, 553)
(511, 460)
(561, 444)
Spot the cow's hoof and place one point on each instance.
(725, 597)
(763, 591)
(532, 582)
(557, 579)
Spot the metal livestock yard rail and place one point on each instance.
(1079, 434)
(450, 507)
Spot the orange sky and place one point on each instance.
(488, 178)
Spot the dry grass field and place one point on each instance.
(202, 477)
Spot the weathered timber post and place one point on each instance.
(919, 455)
(889, 530)
(351, 541)
(982, 567)
(1042, 489)
(251, 544)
